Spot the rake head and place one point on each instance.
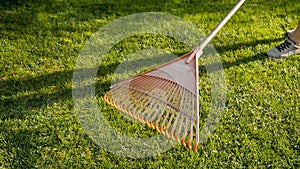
(165, 98)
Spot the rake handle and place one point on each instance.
(198, 51)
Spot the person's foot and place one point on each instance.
(289, 33)
(284, 50)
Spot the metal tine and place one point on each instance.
(161, 108)
(107, 97)
(188, 108)
(169, 122)
(148, 101)
(118, 96)
(125, 101)
(168, 111)
(185, 131)
(154, 103)
(170, 89)
(138, 104)
(155, 109)
(171, 98)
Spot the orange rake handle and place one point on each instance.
(198, 51)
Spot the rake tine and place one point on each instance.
(179, 130)
(168, 100)
(164, 88)
(173, 88)
(181, 93)
(191, 135)
(186, 128)
(116, 96)
(192, 124)
(169, 123)
(175, 125)
(153, 80)
(185, 132)
(133, 105)
(177, 91)
(151, 109)
(186, 108)
(179, 112)
(178, 115)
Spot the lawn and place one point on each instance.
(40, 42)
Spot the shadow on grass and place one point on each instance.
(19, 14)
(16, 105)
(237, 46)
(21, 95)
(242, 45)
(25, 144)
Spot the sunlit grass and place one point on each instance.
(39, 45)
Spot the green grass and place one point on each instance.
(41, 40)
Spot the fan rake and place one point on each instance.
(166, 98)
